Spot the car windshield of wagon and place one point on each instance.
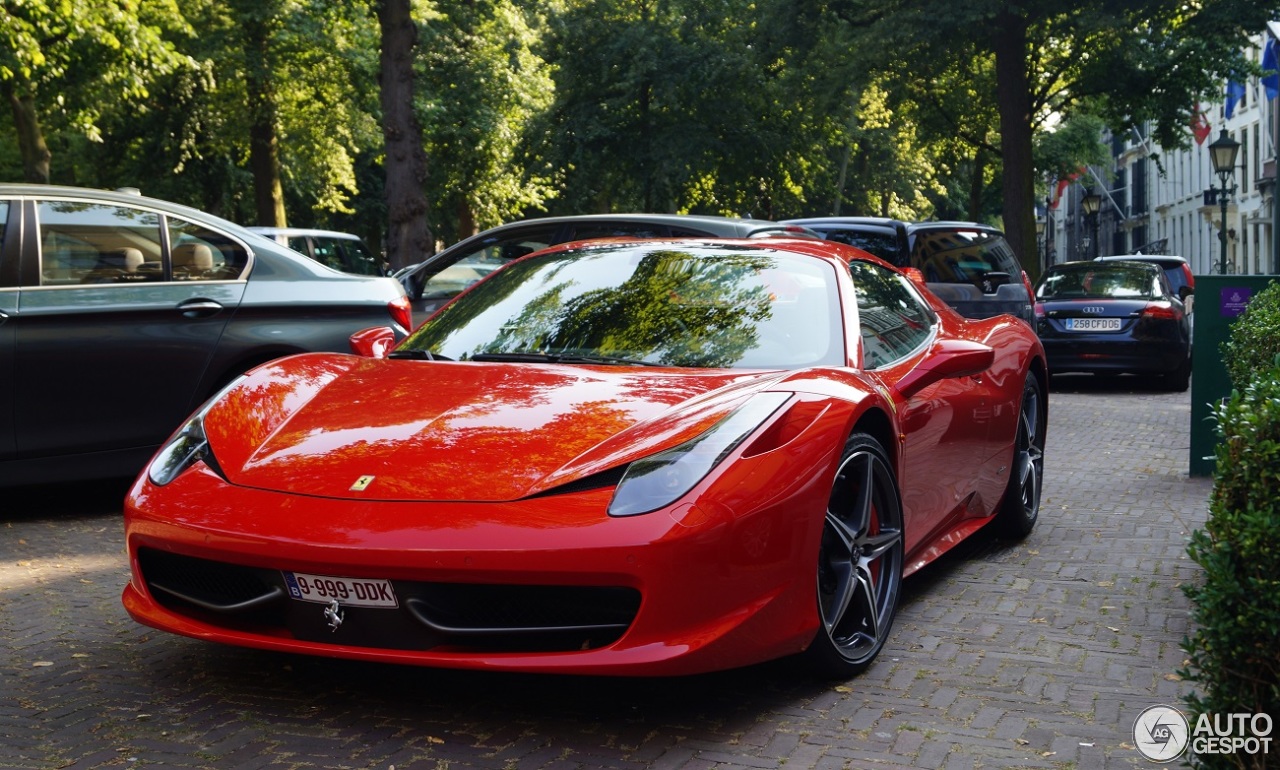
(1099, 283)
(657, 304)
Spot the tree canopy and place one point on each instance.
(302, 110)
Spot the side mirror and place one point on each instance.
(946, 360)
(374, 342)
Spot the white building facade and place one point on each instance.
(1164, 201)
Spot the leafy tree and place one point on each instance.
(481, 86)
(59, 70)
(1138, 61)
(661, 105)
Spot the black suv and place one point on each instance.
(968, 265)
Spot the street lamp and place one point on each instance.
(1042, 237)
(1091, 204)
(1222, 153)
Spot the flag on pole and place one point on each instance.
(1270, 54)
(1235, 92)
(1200, 125)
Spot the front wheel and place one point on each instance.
(1021, 504)
(859, 561)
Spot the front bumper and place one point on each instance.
(724, 580)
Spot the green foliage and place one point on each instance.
(1233, 655)
(481, 85)
(1254, 341)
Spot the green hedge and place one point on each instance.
(1234, 649)
(1254, 340)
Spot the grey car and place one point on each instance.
(120, 314)
(970, 266)
(442, 276)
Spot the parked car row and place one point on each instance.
(120, 314)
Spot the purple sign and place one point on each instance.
(1234, 300)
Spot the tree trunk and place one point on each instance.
(31, 144)
(264, 149)
(1013, 94)
(977, 183)
(409, 237)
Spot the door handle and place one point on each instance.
(199, 308)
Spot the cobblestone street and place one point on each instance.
(1037, 654)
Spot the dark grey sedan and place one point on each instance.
(1114, 318)
(120, 314)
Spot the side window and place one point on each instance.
(964, 256)
(359, 259)
(892, 320)
(328, 253)
(452, 279)
(201, 254)
(97, 243)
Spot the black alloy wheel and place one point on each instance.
(1021, 504)
(859, 562)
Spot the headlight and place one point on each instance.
(660, 480)
(187, 446)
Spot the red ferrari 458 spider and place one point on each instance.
(629, 457)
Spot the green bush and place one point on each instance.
(1254, 340)
(1234, 649)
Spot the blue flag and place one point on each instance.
(1271, 82)
(1235, 92)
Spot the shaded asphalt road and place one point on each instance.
(1037, 654)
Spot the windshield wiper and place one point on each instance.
(559, 358)
(423, 355)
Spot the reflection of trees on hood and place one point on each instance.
(692, 312)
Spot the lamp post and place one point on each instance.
(1048, 231)
(1042, 237)
(1091, 204)
(1222, 153)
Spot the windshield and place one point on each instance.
(646, 303)
(1097, 282)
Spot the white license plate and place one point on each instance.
(349, 592)
(1093, 324)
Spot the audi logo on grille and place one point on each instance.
(1092, 309)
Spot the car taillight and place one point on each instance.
(1039, 310)
(1161, 311)
(1191, 279)
(401, 312)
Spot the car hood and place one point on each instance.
(348, 427)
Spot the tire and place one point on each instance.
(859, 570)
(1020, 506)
